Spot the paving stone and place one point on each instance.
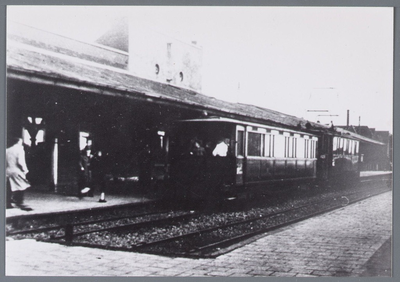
(282, 274)
(260, 272)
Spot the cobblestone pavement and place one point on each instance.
(339, 243)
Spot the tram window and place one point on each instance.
(262, 145)
(306, 142)
(350, 147)
(313, 148)
(310, 148)
(300, 147)
(267, 146)
(272, 146)
(356, 143)
(290, 147)
(335, 143)
(254, 144)
(286, 147)
(239, 144)
(222, 147)
(279, 150)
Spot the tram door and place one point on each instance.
(240, 154)
(324, 157)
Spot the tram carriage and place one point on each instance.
(258, 157)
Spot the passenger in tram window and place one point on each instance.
(197, 148)
(85, 175)
(16, 171)
(89, 144)
(209, 148)
(222, 148)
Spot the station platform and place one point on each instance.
(353, 241)
(374, 173)
(50, 202)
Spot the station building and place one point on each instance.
(62, 92)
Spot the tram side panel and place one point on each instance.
(324, 161)
(276, 158)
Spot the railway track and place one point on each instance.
(114, 224)
(185, 234)
(54, 222)
(212, 242)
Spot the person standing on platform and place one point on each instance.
(85, 175)
(99, 175)
(16, 171)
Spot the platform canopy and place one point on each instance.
(30, 64)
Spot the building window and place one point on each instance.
(157, 69)
(83, 137)
(34, 132)
(161, 134)
(181, 76)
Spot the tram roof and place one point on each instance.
(240, 122)
(33, 64)
(358, 137)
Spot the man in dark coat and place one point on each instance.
(85, 175)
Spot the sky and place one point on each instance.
(311, 62)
